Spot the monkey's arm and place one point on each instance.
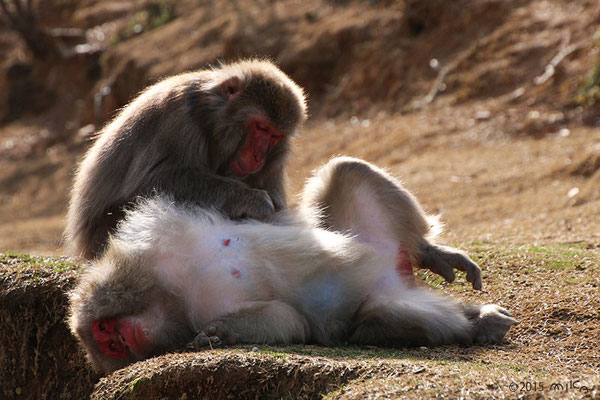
(231, 196)
(268, 322)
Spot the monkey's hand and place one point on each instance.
(216, 334)
(442, 260)
(252, 203)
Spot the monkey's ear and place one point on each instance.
(232, 87)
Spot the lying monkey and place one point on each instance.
(172, 274)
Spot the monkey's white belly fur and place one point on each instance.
(210, 270)
(219, 267)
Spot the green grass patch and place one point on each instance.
(136, 384)
(155, 14)
(335, 353)
(588, 93)
(30, 270)
(334, 393)
(535, 249)
(55, 264)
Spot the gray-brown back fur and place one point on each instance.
(177, 137)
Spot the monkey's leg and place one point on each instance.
(268, 322)
(419, 317)
(349, 194)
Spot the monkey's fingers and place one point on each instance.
(222, 331)
(263, 209)
(256, 204)
(203, 341)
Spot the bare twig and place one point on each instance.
(435, 89)
(22, 19)
(550, 69)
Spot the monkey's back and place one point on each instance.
(127, 148)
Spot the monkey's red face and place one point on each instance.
(261, 137)
(119, 338)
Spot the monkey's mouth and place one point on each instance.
(137, 339)
(238, 168)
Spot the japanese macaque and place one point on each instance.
(216, 138)
(337, 271)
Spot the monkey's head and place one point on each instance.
(120, 315)
(259, 108)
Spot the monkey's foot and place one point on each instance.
(442, 260)
(493, 323)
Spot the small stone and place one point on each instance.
(573, 192)
(483, 114)
(87, 130)
(255, 350)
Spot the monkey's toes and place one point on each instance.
(493, 324)
(474, 276)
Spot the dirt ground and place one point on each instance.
(486, 110)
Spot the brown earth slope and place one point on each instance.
(487, 110)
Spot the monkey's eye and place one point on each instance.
(261, 127)
(101, 327)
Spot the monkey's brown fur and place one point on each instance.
(178, 137)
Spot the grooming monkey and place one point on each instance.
(174, 273)
(216, 138)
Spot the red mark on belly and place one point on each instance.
(236, 273)
(404, 266)
(226, 242)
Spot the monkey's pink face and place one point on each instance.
(261, 137)
(118, 338)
